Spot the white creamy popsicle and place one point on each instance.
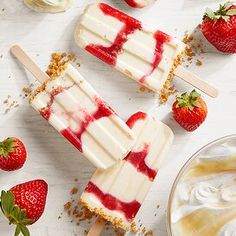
(75, 109)
(149, 57)
(139, 3)
(117, 193)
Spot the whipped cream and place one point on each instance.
(204, 201)
(229, 229)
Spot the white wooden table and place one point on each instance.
(50, 156)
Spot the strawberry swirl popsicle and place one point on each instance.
(149, 57)
(116, 194)
(74, 108)
(138, 3)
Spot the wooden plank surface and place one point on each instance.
(50, 156)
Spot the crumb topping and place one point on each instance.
(58, 64)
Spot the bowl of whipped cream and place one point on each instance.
(202, 201)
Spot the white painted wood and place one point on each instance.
(50, 156)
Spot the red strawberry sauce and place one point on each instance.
(75, 136)
(110, 54)
(129, 209)
(137, 159)
(161, 38)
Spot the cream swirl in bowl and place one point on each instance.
(203, 198)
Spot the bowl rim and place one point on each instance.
(179, 175)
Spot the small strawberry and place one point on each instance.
(24, 204)
(12, 154)
(189, 110)
(219, 27)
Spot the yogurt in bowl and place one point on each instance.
(203, 198)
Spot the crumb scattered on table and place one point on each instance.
(195, 49)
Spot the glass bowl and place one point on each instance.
(223, 149)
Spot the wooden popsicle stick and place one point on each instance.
(29, 64)
(196, 81)
(97, 227)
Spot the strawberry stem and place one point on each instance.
(7, 147)
(189, 100)
(224, 12)
(14, 214)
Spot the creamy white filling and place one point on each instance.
(105, 140)
(138, 52)
(123, 181)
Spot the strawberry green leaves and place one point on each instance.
(7, 146)
(14, 214)
(22, 229)
(224, 12)
(189, 100)
(231, 12)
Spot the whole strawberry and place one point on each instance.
(12, 154)
(24, 204)
(219, 27)
(189, 110)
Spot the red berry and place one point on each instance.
(24, 204)
(219, 28)
(189, 110)
(12, 154)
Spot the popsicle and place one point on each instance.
(117, 193)
(138, 3)
(74, 108)
(149, 57)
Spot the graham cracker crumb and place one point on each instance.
(167, 90)
(198, 62)
(67, 206)
(9, 104)
(143, 89)
(74, 191)
(148, 233)
(195, 49)
(27, 90)
(58, 63)
(117, 222)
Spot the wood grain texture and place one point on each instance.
(50, 156)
